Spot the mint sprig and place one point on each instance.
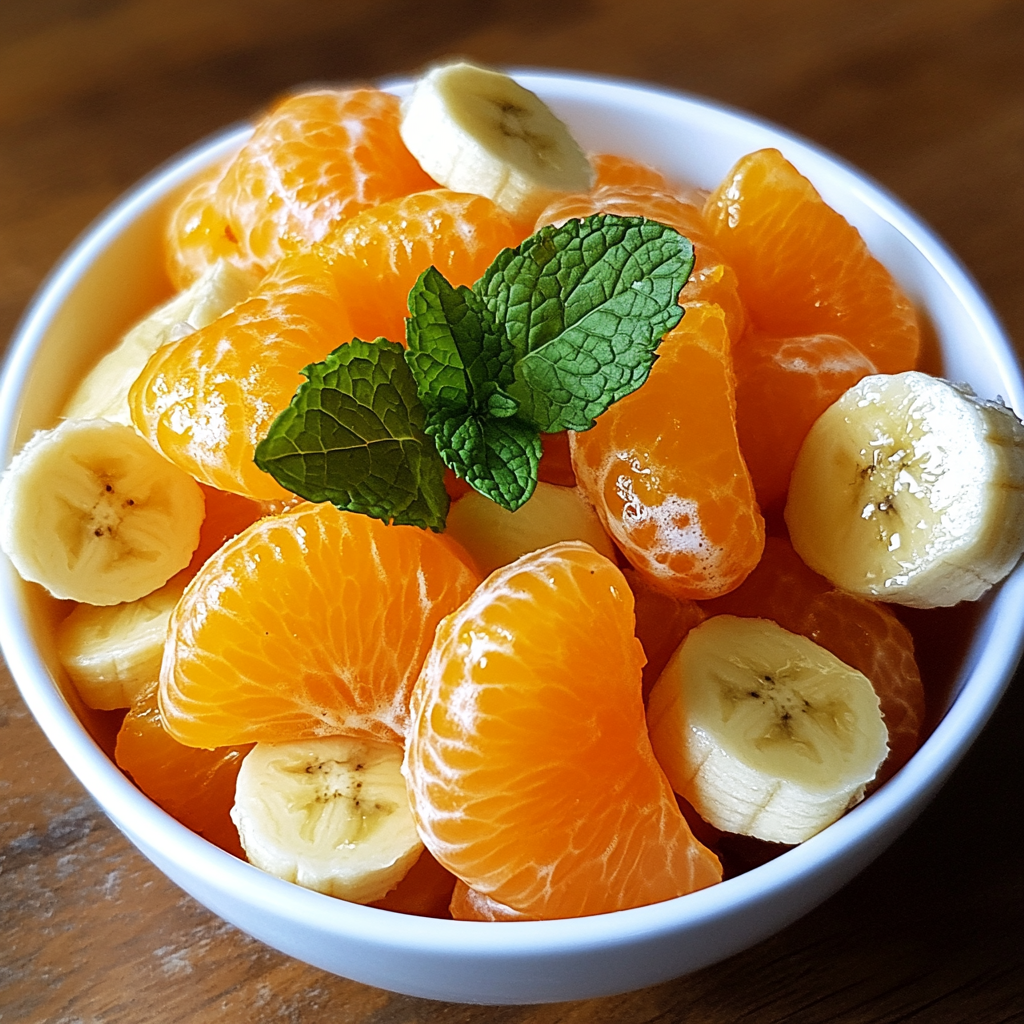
(553, 333)
(354, 435)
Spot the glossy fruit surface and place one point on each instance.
(802, 268)
(663, 467)
(207, 400)
(378, 254)
(530, 773)
(313, 161)
(864, 634)
(195, 786)
(310, 623)
(782, 386)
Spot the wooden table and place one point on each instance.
(926, 95)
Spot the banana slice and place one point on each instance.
(910, 489)
(475, 130)
(103, 394)
(111, 654)
(90, 511)
(330, 814)
(493, 536)
(763, 731)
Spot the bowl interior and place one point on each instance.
(115, 273)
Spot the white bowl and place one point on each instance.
(113, 274)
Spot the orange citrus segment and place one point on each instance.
(195, 786)
(469, 905)
(310, 623)
(802, 268)
(207, 400)
(622, 170)
(378, 254)
(314, 160)
(864, 634)
(782, 386)
(530, 773)
(711, 279)
(663, 467)
(425, 891)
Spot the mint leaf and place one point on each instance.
(498, 457)
(584, 307)
(354, 435)
(456, 353)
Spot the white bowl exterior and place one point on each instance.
(105, 282)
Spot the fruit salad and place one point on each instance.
(492, 530)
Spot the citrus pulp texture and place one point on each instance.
(864, 634)
(664, 471)
(802, 268)
(378, 254)
(782, 386)
(313, 161)
(530, 773)
(310, 623)
(207, 400)
(195, 786)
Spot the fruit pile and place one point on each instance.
(491, 531)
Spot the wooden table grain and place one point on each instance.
(925, 95)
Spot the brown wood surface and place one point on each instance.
(926, 95)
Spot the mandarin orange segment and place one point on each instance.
(310, 623)
(664, 471)
(313, 161)
(469, 905)
(530, 773)
(195, 786)
(207, 400)
(227, 515)
(610, 169)
(802, 268)
(378, 254)
(782, 386)
(864, 634)
(426, 890)
(711, 280)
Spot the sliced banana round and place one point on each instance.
(493, 536)
(113, 653)
(103, 394)
(476, 130)
(910, 489)
(763, 731)
(330, 814)
(94, 514)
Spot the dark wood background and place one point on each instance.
(926, 95)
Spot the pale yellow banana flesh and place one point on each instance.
(330, 814)
(493, 536)
(910, 489)
(763, 731)
(92, 513)
(477, 130)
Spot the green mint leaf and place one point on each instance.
(584, 307)
(455, 352)
(498, 457)
(354, 435)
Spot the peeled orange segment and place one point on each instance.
(782, 386)
(378, 254)
(529, 769)
(664, 471)
(711, 279)
(311, 623)
(469, 905)
(314, 160)
(195, 786)
(802, 268)
(610, 169)
(207, 400)
(862, 633)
